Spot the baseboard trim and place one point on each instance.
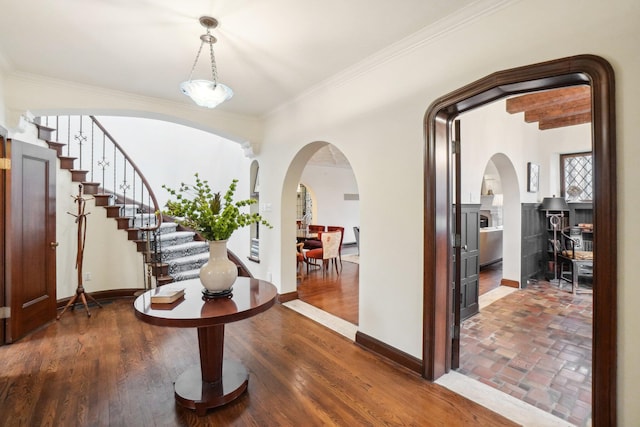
(289, 296)
(102, 295)
(400, 357)
(510, 283)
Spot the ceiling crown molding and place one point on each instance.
(453, 22)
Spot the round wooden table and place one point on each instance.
(216, 381)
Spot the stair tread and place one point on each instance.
(175, 235)
(189, 259)
(185, 275)
(183, 246)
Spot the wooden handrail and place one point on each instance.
(157, 210)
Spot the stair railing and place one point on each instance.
(110, 174)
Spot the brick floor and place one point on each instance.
(534, 344)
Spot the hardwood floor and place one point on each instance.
(114, 370)
(490, 277)
(338, 294)
(335, 293)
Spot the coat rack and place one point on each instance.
(81, 219)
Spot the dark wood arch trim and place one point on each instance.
(575, 70)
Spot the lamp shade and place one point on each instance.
(206, 93)
(554, 204)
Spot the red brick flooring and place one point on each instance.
(534, 344)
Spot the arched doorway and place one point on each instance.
(438, 274)
(324, 175)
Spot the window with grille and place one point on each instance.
(303, 206)
(576, 172)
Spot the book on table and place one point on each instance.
(166, 294)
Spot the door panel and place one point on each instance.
(469, 258)
(31, 288)
(3, 226)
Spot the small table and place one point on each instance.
(216, 381)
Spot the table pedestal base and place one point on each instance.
(193, 393)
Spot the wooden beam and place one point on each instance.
(577, 119)
(522, 103)
(570, 108)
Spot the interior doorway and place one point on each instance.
(578, 70)
(327, 199)
(532, 342)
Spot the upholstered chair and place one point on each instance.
(329, 251)
(341, 230)
(313, 243)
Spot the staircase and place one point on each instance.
(95, 160)
(181, 251)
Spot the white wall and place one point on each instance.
(380, 130)
(375, 114)
(490, 131)
(3, 117)
(179, 152)
(329, 185)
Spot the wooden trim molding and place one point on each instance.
(391, 353)
(510, 283)
(572, 71)
(289, 296)
(108, 294)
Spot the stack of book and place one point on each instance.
(166, 294)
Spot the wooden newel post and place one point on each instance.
(81, 219)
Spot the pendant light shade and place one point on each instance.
(206, 93)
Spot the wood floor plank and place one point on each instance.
(334, 293)
(112, 369)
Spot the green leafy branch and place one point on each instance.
(215, 217)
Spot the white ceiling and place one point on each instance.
(268, 51)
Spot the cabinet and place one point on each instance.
(579, 214)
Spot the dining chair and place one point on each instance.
(356, 232)
(316, 228)
(314, 243)
(328, 253)
(341, 230)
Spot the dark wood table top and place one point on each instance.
(250, 297)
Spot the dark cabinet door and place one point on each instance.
(469, 260)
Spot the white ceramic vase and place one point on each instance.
(219, 273)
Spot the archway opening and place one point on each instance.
(438, 273)
(325, 196)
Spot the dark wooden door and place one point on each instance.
(31, 239)
(469, 260)
(4, 307)
(466, 253)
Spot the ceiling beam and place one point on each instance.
(522, 103)
(570, 108)
(559, 122)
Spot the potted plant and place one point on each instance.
(215, 218)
